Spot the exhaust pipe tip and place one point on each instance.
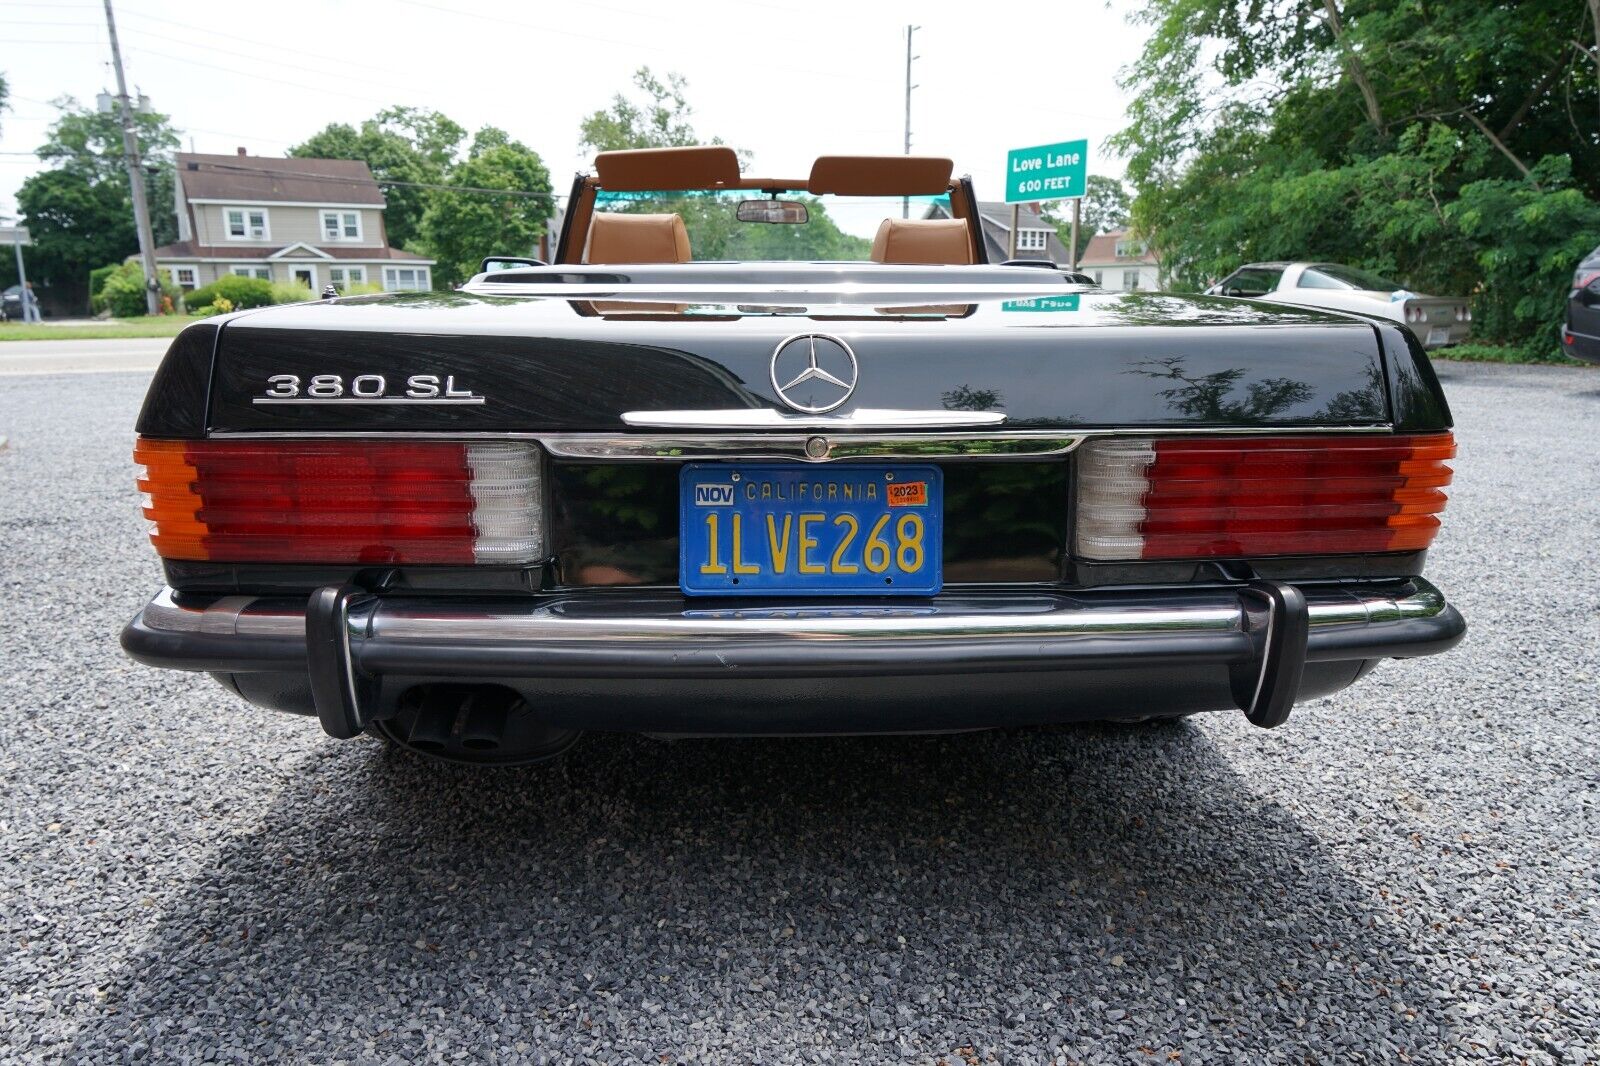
(475, 724)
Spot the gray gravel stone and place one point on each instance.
(1404, 872)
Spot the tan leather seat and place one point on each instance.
(922, 241)
(618, 238)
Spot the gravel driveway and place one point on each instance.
(1405, 872)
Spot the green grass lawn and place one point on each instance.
(111, 329)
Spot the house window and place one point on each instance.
(1129, 249)
(185, 278)
(1031, 240)
(341, 225)
(250, 270)
(339, 277)
(247, 224)
(1130, 281)
(405, 278)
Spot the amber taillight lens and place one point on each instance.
(311, 501)
(1238, 497)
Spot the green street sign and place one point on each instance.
(1042, 303)
(1048, 172)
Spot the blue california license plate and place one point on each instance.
(787, 529)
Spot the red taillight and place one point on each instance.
(1193, 498)
(343, 501)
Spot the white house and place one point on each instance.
(1121, 262)
(316, 221)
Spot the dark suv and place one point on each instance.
(1580, 337)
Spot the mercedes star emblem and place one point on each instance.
(813, 372)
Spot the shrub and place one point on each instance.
(1526, 241)
(362, 288)
(290, 292)
(122, 292)
(97, 281)
(220, 306)
(240, 292)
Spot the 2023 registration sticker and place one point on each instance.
(773, 529)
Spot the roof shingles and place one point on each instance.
(252, 178)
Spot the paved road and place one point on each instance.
(81, 356)
(1405, 872)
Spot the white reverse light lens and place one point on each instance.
(508, 497)
(1112, 481)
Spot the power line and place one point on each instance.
(339, 60)
(257, 59)
(259, 77)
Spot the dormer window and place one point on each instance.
(1129, 249)
(246, 223)
(1032, 240)
(341, 225)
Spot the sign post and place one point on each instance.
(1047, 172)
(19, 236)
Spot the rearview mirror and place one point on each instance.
(785, 212)
(507, 262)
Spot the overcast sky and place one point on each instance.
(785, 81)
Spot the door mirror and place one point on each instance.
(782, 212)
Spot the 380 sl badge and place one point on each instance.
(365, 389)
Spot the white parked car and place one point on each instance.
(1436, 320)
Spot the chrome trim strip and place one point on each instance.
(798, 446)
(682, 447)
(653, 620)
(909, 294)
(1010, 618)
(349, 401)
(768, 418)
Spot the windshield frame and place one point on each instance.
(717, 235)
(569, 249)
(1327, 271)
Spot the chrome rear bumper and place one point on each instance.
(1252, 640)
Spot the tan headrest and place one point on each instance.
(922, 241)
(618, 238)
(866, 175)
(638, 169)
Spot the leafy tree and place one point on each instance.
(1373, 133)
(399, 144)
(1105, 208)
(660, 118)
(80, 211)
(5, 94)
(462, 225)
(76, 225)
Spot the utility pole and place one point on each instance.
(905, 203)
(1077, 205)
(130, 153)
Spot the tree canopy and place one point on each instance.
(1105, 208)
(80, 211)
(463, 223)
(1453, 144)
(399, 144)
(661, 117)
(442, 203)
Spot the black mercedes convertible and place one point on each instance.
(680, 481)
